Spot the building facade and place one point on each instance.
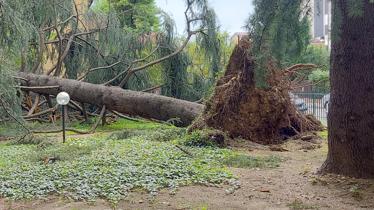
(321, 21)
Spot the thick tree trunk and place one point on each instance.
(351, 112)
(135, 103)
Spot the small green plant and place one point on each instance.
(128, 133)
(356, 193)
(245, 161)
(299, 205)
(66, 152)
(159, 134)
(204, 207)
(203, 138)
(323, 134)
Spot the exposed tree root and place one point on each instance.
(265, 116)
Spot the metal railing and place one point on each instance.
(314, 104)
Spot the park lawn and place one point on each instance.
(142, 156)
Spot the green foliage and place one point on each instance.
(10, 98)
(15, 34)
(143, 156)
(107, 47)
(179, 80)
(130, 34)
(93, 168)
(321, 80)
(244, 161)
(174, 71)
(320, 56)
(161, 134)
(280, 31)
(120, 124)
(202, 74)
(316, 54)
(200, 138)
(12, 129)
(135, 15)
(127, 30)
(210, 42)
(323, 134)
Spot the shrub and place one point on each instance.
(204, 138)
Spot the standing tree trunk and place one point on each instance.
(351, 113)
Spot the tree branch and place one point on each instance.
(66, 51)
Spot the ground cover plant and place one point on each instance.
(109, 166)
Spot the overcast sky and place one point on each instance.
(232, 14)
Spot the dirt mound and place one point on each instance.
(237, 107)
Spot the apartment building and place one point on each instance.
(321, 21)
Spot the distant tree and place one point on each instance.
(351, 112)
(319, 55)
(280, 31)
(320, 80)
(138, 15)
(9, 96)
(206, 67)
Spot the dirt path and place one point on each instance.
(291, 186)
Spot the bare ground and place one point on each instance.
(293, 185)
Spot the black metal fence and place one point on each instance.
(315, 104)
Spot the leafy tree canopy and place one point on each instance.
(139, 15)
(280, 31)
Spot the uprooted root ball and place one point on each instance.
(265, 116)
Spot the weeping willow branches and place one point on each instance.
(280, 31)
(63, 39)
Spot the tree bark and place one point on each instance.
(351, 112)
(129, 102)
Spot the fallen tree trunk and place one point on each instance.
(129, 102)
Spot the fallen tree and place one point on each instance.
(237, 107)
(129, 102)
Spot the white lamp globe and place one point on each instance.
(63, 98)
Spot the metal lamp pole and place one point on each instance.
(63, 123)
(63, 99)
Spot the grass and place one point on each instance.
(245, 161)
(299, 205)
(323, 134)
(141, 156)
(120, 124)
(13, 129)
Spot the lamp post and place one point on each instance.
(63, 99)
